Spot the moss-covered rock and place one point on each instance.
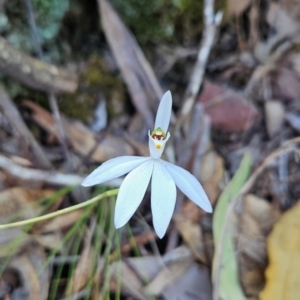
(95, 80)
(163, 20)
(14, 23)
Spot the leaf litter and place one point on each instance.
(236, 95)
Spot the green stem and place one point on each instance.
(62, 211)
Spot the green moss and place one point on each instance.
(48, 16)
(163, 20)
(95, 81)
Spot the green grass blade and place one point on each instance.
(225, 267)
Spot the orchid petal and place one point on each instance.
(189, 185)
(131, 192)
(163, 198)
(164, 111)
(113, 168)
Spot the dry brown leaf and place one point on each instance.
(21, 202)
(212, 175)
(131, 283)
(167, 276)
(85, 143)
(28, 146)
(283, 245)
(82, 139)
(49, 240)
(12, 240)
(82, 272)
(33, 272)
(141, 239)
(135, 68)
(174, 265)
(257, 219)
(194, 284)
(281, 20)
(141, 148)
(237, 7)
(59, 222)
(280, 79)
(292, 7)
(192, 211)
(192, 235)
(146, 267)
(275, 113)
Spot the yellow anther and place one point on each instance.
(157, 146)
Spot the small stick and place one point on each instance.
(211, 22)
(30, 147)
(52, 177)
(51, 95)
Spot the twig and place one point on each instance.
(211, 22)
(36, 175)
(136, 70)
(61, 133)
(34, 31)
(51, 95)
(34, 72)
(30, 146)
(284, 149)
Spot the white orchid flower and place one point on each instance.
(165, 176)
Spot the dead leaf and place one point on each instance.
(131, 284)
(282, 274)
(58, 223)
(28, 146)
(192, 212)
(283, 77)
(49, 241)
(33, 272)
(192, 235)
(228, 110)
(136, 70)
(85, 143)
(21, 203)
(12, 240)
(138, 240)
(82, 139)
(82, 272)
(167, 276)
(257, 219)
(275, 113)
(281, 20)
(146, 267)
(294, 120)
(194, 284)
(237, 7)
(212, 175)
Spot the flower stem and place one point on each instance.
(62, 211)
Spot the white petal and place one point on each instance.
(164, 110)
(163, 198)
(131, 192)
(189, 185)
(113, 168)
(156, 147)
